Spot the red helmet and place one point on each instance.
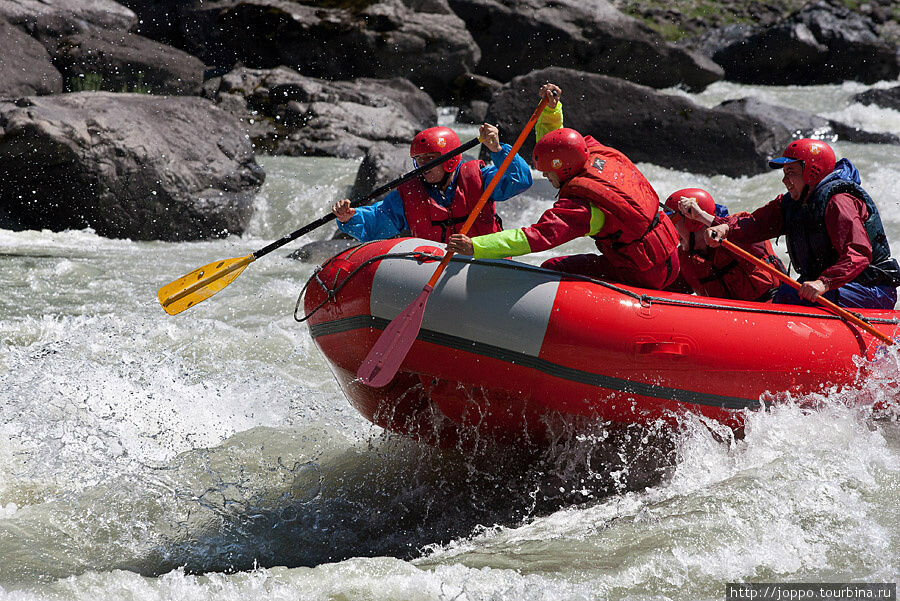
(440, 140)
(562, 151)
(704, 201)
(817, 157)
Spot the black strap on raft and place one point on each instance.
(331, 292)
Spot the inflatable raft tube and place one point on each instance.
(508, 349)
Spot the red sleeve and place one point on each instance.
(844, 218)
(566, 220)
(764, 223)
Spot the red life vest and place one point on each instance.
(636, 234)
(427, 219)
(720, 274)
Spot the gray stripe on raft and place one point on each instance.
(552, 369)
(473, 301)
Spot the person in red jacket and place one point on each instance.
(437, 203)
(832, 228)
(716, 272)
(601, 195)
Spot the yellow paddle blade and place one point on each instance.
(200, 284)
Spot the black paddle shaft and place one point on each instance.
(365, 200)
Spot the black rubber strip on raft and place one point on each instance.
(552, 369)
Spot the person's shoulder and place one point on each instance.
(845, 203)
(591, 141)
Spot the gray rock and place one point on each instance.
(423, 41)
(288, 113)
(518, 36)
(50, 19)
(889, 98)
(470, 87)
(712, 41)
(25, 68)
(474, 93)
(128, 62)
(823, 43)
(162, 20)
(646, 125)
(382, 164)
(474, 112)
(127, 165)
(791, 124)
(321, 250)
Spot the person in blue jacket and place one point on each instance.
(437, 203)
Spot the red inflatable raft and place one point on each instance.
(507, 349)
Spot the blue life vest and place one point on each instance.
(807, 238)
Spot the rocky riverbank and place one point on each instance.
(100, 100)
(679, 19)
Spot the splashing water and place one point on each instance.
(212, 455)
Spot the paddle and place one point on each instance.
(384, 359)
(202, 283)
(740, 252)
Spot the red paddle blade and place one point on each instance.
(384, 359)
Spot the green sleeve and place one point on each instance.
(508, 243)
(598, 220)
(550, 119)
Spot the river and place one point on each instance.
(211, 455)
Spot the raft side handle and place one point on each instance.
(668, 348)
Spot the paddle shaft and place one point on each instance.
(373, 194)
(737, 250)
(476, 210)
(389, 351)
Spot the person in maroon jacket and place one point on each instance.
(717, 272)
(832, 227)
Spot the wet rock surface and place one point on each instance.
(127, 165)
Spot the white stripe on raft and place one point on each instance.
(506, 308)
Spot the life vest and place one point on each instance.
(428, 219)
(810, 247)
(636, 234)
(718, 273)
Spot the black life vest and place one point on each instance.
(810, 247)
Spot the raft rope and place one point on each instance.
(646, 300)
(331, 293)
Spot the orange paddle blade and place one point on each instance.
(200, 284)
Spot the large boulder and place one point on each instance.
(822, 43)
(122, 61)
(25, 67)
(666, 130)
(165, 21)
(888, 98)
(518, 36)
(474, 93)
(422, 41)
(50, 19)
(790, 124)
(127, 165)
(288, 113)
(383, 163)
